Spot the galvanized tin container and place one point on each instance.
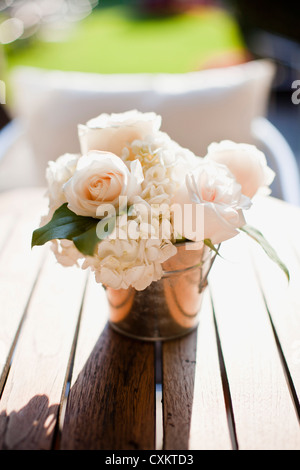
(168, 308)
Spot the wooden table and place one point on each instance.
(67, 381)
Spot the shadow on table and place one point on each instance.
(112, 402)
(30, 428)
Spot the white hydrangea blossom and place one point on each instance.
(124, 263)
(66, 252)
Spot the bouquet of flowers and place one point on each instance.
(123, 204)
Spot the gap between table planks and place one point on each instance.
(30, 401)
(246, 404)
(19, 266)
(259, 385)
(111, 404)
(282, 298)
(195, 412)
(38, 314)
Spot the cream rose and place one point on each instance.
(58, 172)
(101, 178)
(211, 194)
(246, 163)
(115, 131)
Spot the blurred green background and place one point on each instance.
(121, 38)
(152, 36)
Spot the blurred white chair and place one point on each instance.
(197, 108)
(280, 158)
(17, 164)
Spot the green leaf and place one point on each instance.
(208, 243)
(259, 238)
(87, 241)
(67, 225)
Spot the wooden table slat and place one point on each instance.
(111, 404)
(282, 298)
(53, 324)
(263, 410)
(31, 398)
(7, 222)
(193, 401)
(19, 267)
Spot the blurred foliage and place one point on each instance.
(23, 20)
(116, 40)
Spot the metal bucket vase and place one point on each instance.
(168, 308)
